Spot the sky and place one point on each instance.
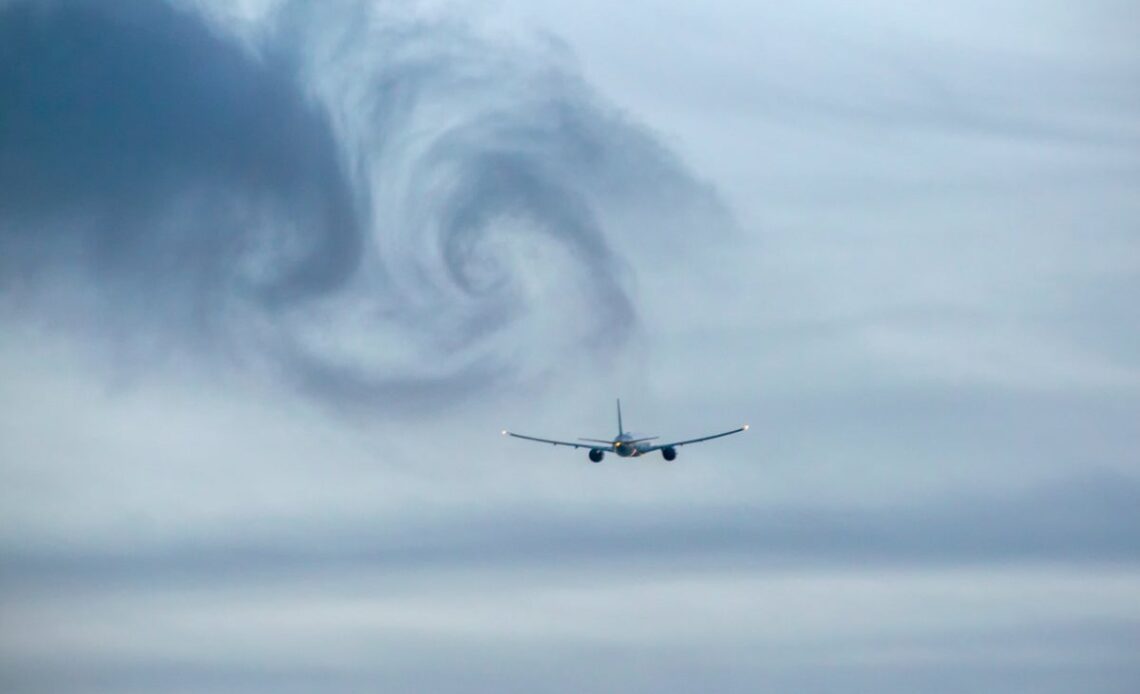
(275, 274)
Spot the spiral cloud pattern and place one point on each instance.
(369, 204)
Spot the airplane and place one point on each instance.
(626, 444)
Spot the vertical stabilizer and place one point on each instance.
(620, 429)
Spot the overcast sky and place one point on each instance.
(273, 276)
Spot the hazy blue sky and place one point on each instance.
(273, 275)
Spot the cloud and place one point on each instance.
(373, 205)
(1078, 521)
(1044, 627)
(925, 320)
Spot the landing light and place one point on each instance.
(746, 427)
(504, 432)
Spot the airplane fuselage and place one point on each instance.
(630, 445)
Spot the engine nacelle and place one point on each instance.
(596, 455)
(668, 453)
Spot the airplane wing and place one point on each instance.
(607, 446)
(698, 440)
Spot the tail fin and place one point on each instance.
(621, 430)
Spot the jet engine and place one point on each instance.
(596, 455)
(668, 453)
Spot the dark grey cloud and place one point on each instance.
(142, 145)
(168, 182)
